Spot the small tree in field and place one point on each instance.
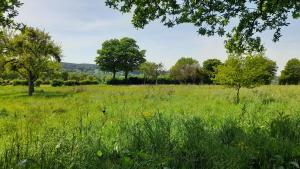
(32, 52)
(151, 70)
(249, 72)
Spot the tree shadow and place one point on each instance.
(38, 94)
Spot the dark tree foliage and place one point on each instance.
(120, 55)
(131, 57)
(209, 68)
(107, 58)
(291, 72)
(239, 20)
(8, 12)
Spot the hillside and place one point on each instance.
(73, 67)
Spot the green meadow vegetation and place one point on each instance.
(163, 126)
(127, 112)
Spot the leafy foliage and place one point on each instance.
(210, 69)
(31, 53)
(8, 12)
(186, 70)
(120, 55)
(151, 70)
(249, 71)
(291, 72)
(215, 16)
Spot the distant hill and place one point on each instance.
(73, 67)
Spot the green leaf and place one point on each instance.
(295, 164)
(99, 154)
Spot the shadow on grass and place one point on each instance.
(38, 94)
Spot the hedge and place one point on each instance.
(140, 81)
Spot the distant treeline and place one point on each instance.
(185, 71)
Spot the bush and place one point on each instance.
(38, 83)
(4, 82)
(89, 82)
(57, 83)
(140, 81)
(46, 82)
(71, 83)
(20, 83)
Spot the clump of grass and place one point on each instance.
(159, 141)
(3, 113)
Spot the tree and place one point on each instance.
(8, 12)
(217, 17)
(249, 72)
(291, 72)
(151, 70)
(120, 55)
(108, 58)
(131, 57)
(32, 53)
(186, 69)
(209, 68)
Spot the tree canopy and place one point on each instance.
(291, 72)
(8, 12)
(120, 55)
(151, 70)
(108, 56)
(31, 53)
(186, 69)
(250, 71)
(210, 68)
(240, 21)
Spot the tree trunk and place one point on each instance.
(114, 75)
(126, 76)
(30, 84)
(238, 94)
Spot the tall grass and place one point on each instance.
(149, 127)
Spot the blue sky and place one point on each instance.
(80, 27)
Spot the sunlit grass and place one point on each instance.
(100, 111)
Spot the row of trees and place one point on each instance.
(124, 55)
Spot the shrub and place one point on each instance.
(20, 83)
(4, 82)
(46, 82)
(140, 81)
(57, 83)
(38, 83)
(89, 82)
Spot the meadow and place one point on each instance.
(164, 126)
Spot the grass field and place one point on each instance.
(149, 127)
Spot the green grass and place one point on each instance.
(149, 127)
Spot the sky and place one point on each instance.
(81, 26)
